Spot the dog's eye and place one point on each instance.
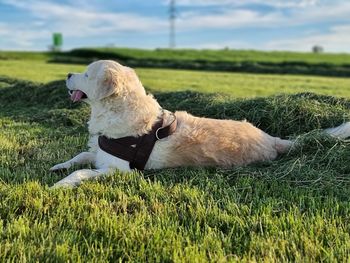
(86, 75)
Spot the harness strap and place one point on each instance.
(136, 150)
(163, 132)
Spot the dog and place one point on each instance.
(121, 108)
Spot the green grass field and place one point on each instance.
(220, 55)
(293, 209)
(164, 80)
(192, 55)
(249, 61)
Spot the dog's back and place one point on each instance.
(212, 142)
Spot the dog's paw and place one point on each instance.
(60, 166)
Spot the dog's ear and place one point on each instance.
(120, 81)
(131, 79)
(108, 83)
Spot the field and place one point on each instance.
(191, 55)
(165, 80)
(293, 209)
(324, 64)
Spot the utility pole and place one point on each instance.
(172, 16)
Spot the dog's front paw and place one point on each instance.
(60, 166)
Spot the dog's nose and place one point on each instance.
(69, 75)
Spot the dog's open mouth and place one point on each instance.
(77, 95)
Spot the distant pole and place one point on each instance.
(172, 16)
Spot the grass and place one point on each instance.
(224, 55)
(36, 70)
(293, 209)
(325, 64)
(218, 60)
(217, 55)
(156, 80)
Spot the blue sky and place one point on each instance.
(238, 24)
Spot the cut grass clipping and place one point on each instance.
(293, 209)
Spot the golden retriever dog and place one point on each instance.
(120, 107)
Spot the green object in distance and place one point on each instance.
(57, 39)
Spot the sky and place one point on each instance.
(294, 25)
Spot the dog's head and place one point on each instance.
(102, 79)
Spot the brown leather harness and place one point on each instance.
(136, 150)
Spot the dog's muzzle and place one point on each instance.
(77, 95)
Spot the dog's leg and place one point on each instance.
(81, 158)
(342, 131)
(77, 177)
(283, 146)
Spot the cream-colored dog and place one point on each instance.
(120, 107)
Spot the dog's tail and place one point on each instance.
(342, 132)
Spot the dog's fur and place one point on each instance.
(120, 107)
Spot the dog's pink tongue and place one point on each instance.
(76, 95)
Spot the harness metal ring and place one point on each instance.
(157, 133)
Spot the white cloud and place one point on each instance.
(19, 37)
(74, 22)
(80, 21)
(272, 3)
(336, 40)
(228, 19)
(242, 17)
